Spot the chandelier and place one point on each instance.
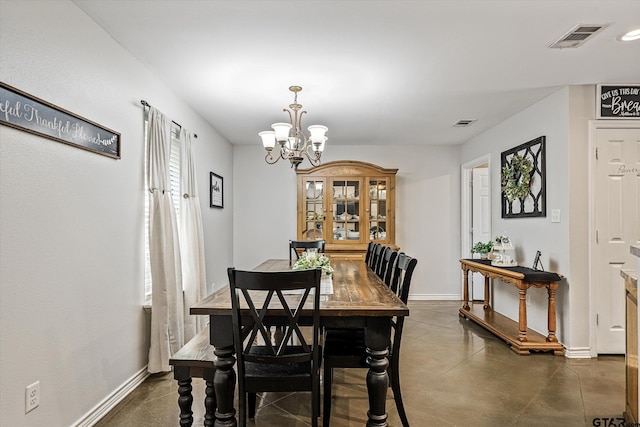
(294, 144)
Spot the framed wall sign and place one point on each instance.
(523, 180)
(216, 191)
(25, 112)
(618, 101)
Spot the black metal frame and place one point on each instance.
(535, 202)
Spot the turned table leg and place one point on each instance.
(210, 403)
(486, 305)
(465, 289)
(185, 400)
(522, 314)
(377, 340)
(551, 312)
(224, 379)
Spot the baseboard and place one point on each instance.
(435, 297)
(577, 353)
(109, 402)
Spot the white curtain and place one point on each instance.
(191, 237)
(167, 307)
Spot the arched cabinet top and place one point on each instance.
(347, 168)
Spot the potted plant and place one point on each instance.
(482, 248)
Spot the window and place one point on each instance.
(174, 181)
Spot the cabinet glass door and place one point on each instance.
(378, 209)
(314, 213)
(346, 210)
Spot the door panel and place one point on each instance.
(481, 221)
(616, 218)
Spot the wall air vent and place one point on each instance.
(577, 36)
(463, 123)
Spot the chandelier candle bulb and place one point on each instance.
(282, 131)
(317, 133)
(268, 139)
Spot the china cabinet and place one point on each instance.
(348, 204)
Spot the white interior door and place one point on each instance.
(616, 227)
(481, 220)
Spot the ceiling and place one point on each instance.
(374, 72)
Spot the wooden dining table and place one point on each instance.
(355, 298)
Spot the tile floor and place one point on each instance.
(453, 373)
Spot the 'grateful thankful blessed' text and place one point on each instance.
(22, 111)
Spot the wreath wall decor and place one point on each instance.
(523, 180)
(516, 178)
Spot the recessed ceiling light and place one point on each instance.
(630, 35)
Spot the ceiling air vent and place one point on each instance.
(463, 123)
(577, 36)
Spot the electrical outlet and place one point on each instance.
(32, 397)
(528, 299)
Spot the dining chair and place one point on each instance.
(296, 247)
(375, 257)
(345, 348)
(369, 252)
(262, 365)
(386, 265)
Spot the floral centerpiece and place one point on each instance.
(313, 260)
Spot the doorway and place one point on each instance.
(476, 213)
(615, 220)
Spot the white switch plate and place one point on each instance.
(555, 215)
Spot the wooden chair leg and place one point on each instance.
(394, 378)
(326, 410)
(242, 409)
(251, 402)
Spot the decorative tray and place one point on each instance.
(504, 264)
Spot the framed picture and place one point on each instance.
(27, 113)
(523, 180)
(216, 191)
(618, 101)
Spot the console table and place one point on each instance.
(522, 339)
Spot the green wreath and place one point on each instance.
(516, 178)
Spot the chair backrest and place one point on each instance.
(400, 284)
(387, 265)
(402, 274)
(375, 257)
(384, 257)
(253, 295)
(296, 247)
(369, 253)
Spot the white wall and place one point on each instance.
(427, 208)
(563, 118)
(71, 221)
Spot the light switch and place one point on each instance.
(555, 215)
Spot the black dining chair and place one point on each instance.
(296, 247)
(345, 348)
(387, 264)
(369, 252)
(264, 366)
(375, 257)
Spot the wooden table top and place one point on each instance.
(517, 272)
(357, 291)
